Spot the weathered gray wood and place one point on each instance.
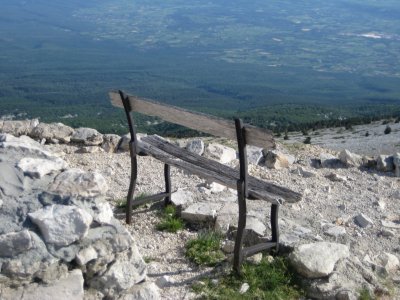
(214, 171)
(205, 123)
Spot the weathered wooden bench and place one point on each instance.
(248, 187)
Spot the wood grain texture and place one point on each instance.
(212, 170)
(201, 122)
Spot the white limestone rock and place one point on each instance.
(25, 146)
(196, 146)
(14, 243)
(350, 159)
(67, 288)
(39, 167)
(164, 281)
(143, 291)
(220, 153)
(87, 136)
(11, 180)
(110, 143)
(201, 212)
(215, 187)
(62, 225)
(79, 183)
(181, 197)
(18, 128)
(317, 260)
(244, 288)
(335, 231)
(389, 262)
(86, 255)
(127, 270)
(301, 171)
(52, 132)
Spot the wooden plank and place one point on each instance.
(201, 122)
(217, 172)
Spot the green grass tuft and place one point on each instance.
(267, 281)
(169, 220)
(365, 295)
(205, 249)
(123, 202)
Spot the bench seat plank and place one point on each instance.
(214, 171)
(201, 122)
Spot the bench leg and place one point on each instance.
(132, 184)
(238, 255)
(167, 176)
(275, 225)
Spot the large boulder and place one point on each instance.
(18, 128)
(220, 153)
(128, 270)
(350, 159)
(87, 136)
(317, 259)
(80, 183)
(110, 142)
(14, 243)
(53, 132)
(23, 145)
(62, 225)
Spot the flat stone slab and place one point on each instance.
(67, 288)
(201, 212)
(317, 260)
(39, 167)
(75, 182)
(62, 225)
(14, 243)
(88, 136)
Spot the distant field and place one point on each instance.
(275, 63)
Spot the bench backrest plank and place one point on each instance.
(201, 122)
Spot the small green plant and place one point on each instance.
(268, 280)
(123, 202)
(365, 295)
(169, 220)
(205, 249)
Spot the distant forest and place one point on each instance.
(283, 65)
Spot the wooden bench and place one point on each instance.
(248, 187)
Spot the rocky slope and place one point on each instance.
(350, 211)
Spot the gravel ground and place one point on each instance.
(354, 139)
(325, 202)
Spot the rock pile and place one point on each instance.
(57, 232)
